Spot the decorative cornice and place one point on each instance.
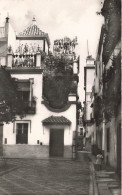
(25, 70)
(25, 37)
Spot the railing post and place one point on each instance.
(9, 60)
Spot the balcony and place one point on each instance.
(24, 61)
(30, 107)
(24, 57)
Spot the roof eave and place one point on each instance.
(54, 123)
(23, 37)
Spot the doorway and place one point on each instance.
(56, 142)
(22, 133)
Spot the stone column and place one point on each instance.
(38, 60)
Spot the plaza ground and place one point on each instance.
(55, 177)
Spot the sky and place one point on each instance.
(59, 18)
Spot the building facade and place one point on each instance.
(44, 131)
(106, 94)
(88, 82)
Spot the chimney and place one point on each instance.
(7, 19)
(34, 21)
(6, 26)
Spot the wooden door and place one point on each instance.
(56, 142)
(22, 133)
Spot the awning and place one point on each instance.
(61, 120)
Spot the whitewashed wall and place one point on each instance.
(37, 131)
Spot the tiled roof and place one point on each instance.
(56, 120)
(33, 31)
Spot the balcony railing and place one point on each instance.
(30, 107)
(28, 60)
(24, 57)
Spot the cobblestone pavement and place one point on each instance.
(48, 177)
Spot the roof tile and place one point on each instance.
(32, 30)
(56, 120)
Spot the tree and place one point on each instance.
(58, 77)
(10, 102)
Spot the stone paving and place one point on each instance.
(106, 180)
(48, 177)
(108, 183)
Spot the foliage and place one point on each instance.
(108, 74)
(112, 90)
(98, 109)
(56, 64)
(111, 100)
(111, 6)
(112, 13)
(10, 103)
(57, 80)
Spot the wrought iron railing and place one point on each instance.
(30, 107)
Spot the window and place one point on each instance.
(22, 133)
(24, 95)
(24, 90)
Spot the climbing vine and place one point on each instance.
(58, 80)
